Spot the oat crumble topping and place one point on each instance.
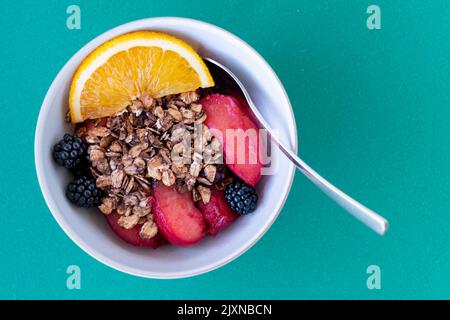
(162, 140)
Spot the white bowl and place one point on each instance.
(90, 231)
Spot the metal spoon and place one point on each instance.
(222, 75)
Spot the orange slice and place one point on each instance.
(131, 65)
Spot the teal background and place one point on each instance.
(372, 109)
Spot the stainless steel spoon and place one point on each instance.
(222, 75)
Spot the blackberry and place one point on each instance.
(242, 198)
(70, 152)
(82, 169)
(83, 192)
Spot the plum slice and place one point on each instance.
(176, 216)
(238, 134)
(217, 212)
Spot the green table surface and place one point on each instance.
(373, 113)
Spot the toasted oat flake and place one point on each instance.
(179, 132)
(106, 141)
(80, 131)
(99, 131)
(168, 178)
(148, 230)
(158, 112)
(130, 200)
(205, 193)
(196, 107)
(131, 170)
(131, 138)
(117, 178)
(190, 181)
(195, 169)
(204, 181)
(130, 185)
(115, 147)
(189, 97)
(102, 166)
(179, 170)
(128, 222)
(137, 149)
(141, 211)
(196, 195)
(92, 139)
(110, 154)
(147, 101)
(188, 115)
(127, 160)
(104, 182)
(142, 135)
(140, 164)
(108, 205)
(210, 172)
(95, 154)
(176, 115)
(123, 210)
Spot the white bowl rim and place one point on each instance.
(129, 27)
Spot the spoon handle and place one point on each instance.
(371, 219)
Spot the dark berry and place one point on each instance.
(70, 152)
(221, 173)
(83, 192)
(242, 198)
(163, 102)
(82, 169)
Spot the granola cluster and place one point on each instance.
(161, 139)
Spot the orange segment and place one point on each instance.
(131, 65)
